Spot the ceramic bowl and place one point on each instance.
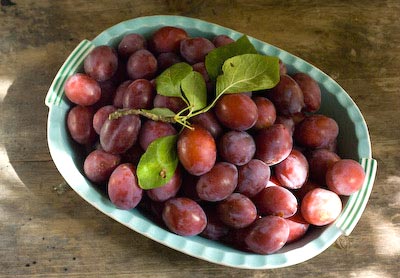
(353, 142)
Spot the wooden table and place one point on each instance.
(47, 230)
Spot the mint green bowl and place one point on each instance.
(353, 142)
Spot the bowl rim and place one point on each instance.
(197, 246)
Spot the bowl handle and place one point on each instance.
(357, 202)
(70, 66)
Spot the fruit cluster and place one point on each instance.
(255, 170)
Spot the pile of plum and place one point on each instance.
(254, 172)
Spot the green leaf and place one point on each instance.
(194, 89)
(159, 112)
(216, 58)
(169, 81)
(248, 72)
(158, 164)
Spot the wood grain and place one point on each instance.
(47, 230)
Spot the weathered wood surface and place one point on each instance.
(47, 230)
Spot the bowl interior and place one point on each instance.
(353, 142)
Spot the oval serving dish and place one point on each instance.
(353, 142)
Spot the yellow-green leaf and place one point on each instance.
(158, 164)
